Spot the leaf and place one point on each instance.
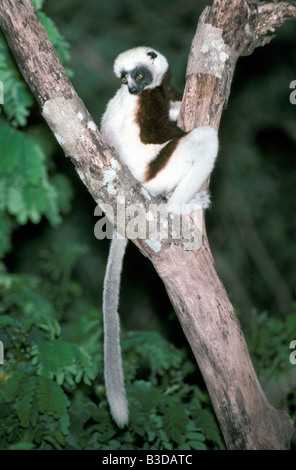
(197, 436)
(176, 420)
(3, 192)
(5, 234)
(52, 209)
(51, 398)
(17, 96)
(87, 365)
(26, 203)
(22, 446)
(31, 162)
(11, 143)
(63, 192)
(26, 410)
(53, 357)
(25, 190)
(209, 425)
(196, 445)
(55, 438)
(6, 320)
(65, 423)
(159, 353)
(15, 203)
(13, 384)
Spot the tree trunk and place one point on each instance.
(226, 30)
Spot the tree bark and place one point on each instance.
(227, 30)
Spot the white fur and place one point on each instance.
(121, 132)
(114, 379)
(175, 107)
(188, 168)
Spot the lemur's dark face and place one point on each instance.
(137, 79)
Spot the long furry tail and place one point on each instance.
(114, 379)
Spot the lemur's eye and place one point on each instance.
(123, 80)
(139, 77)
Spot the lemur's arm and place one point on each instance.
(174, 110)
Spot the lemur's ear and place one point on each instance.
(152, 54)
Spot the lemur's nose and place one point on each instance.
(133, 90)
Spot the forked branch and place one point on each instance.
(227, 30)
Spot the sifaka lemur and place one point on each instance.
(140, 123)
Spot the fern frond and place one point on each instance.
(26, 410)
(51, 398)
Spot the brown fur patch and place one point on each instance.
(155, 126)
(153, 114)
(161, 159)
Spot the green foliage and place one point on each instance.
(27, 192)
(51, 395)
(51, 392)
(18, 99)
(39, 365)
(269, 339)
(51, 385)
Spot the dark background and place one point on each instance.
(52, 393)
(251, 224)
